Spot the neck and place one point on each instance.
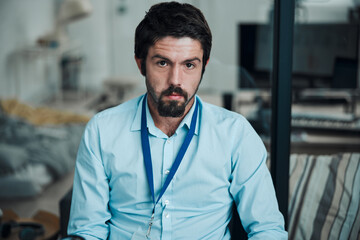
(167, 125)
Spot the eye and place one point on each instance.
(162, 63)
(189, 65)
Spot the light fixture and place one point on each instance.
(69, 11)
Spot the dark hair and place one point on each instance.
(172, 19)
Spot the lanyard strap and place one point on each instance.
(147, 154)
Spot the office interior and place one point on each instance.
(62, 61)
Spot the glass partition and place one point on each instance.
(325, 114)
(325, 137)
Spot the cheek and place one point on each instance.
(194, 83)
(154, 83)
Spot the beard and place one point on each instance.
(171, 108)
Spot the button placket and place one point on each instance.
(168, 157)
(166, 216)
(166, 198)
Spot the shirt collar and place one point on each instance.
(136, 125)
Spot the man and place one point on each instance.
(167, 165)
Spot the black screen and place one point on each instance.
(324, 55)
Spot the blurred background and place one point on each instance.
(61, 61)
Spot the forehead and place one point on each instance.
(177, 48)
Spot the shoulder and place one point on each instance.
(121, 114)
(216, 116)
(233, 133)
(121, 109)
(227, 125)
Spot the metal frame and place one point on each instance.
(281, 100)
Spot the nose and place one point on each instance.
(174, 77)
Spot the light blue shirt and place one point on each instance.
(225, 162)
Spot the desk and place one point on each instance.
(303, 140)
(325, 144)
(320, 141)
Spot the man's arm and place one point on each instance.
(89, 207)
(253, 191)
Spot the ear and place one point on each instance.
(138, 63)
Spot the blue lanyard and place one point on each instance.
(147, 155)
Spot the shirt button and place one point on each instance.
(167, 172)
(166, 202)
(168, 141)
(167, 215)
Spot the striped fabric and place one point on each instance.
(324, 197)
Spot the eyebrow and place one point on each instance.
(167, 59)
(161, 57)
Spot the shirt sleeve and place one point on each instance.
(89, 206)
(253, 190)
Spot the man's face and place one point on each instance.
(173, 74)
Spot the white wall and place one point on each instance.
(21, 23)
(324, 10)
(93, 34)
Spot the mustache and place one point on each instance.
(173, 89)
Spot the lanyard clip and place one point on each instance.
(150, 225)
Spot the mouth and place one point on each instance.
(174, 96)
